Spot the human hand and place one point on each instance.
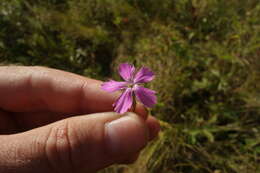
(55, 121)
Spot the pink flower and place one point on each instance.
(131, 87)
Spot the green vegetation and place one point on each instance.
(206, 54)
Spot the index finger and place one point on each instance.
(30, 89)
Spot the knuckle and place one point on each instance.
(58, 147)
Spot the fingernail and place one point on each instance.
(126, 135)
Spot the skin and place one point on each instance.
(55, 121)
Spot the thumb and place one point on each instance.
(78, 144)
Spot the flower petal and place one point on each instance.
(145, 96)
(124, 102)
(112, 86)
(126, 71)
(143, 75)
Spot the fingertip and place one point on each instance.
(126, 135)
(141, 111)
(153, 127)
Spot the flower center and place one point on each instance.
(130, 85)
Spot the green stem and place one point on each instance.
(134, 103)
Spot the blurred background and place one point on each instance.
(205, 53)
